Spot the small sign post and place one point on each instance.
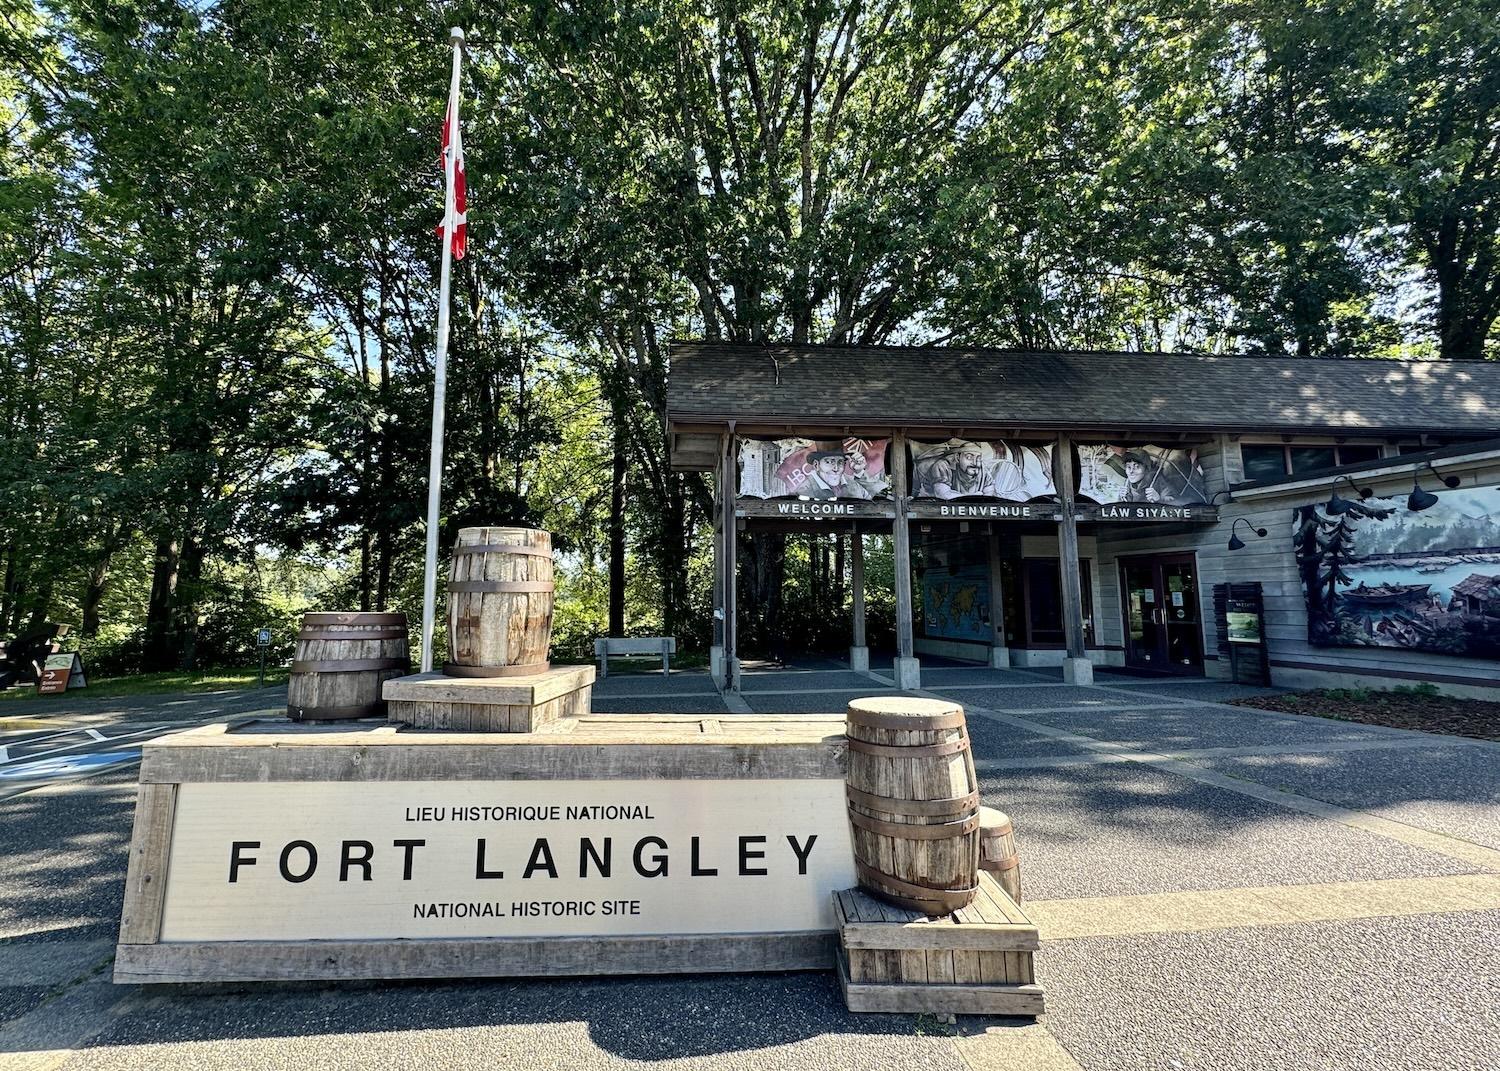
(262, 641)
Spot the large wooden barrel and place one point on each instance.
(341, 662)
(500, 603)
(913, 802)
(997, 850)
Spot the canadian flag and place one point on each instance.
(458, 198)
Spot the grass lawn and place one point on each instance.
(213, 680)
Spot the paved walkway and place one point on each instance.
(1218, 888)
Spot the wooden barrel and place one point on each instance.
(500, 603)
(913, 802)
(341, 662)
(997, 850)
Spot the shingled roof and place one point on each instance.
(932, 386)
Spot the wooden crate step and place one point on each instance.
(975, 961)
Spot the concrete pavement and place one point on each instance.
(1217, 888)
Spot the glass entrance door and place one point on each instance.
(1162, 630)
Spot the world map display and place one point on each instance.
(956, 603)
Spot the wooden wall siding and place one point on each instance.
(1271, 562)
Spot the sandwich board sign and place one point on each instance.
(62, 671)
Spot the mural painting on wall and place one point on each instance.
(1158, 474)
(956, 602)
(1380, 575)
(816, 469)
(959, 468)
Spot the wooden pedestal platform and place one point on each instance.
(976, 961)
(526, 704)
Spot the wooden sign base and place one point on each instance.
(617, 845)
(521, 704)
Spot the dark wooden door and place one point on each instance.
(1163, 632)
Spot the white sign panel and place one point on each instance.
(309, 861)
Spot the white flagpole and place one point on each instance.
(440, 384)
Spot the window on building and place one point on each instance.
(1263, 461)
(1356, 453)
(1272, 461)
(1036, 605)
(1308, 458)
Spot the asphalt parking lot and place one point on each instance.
(1217, 888)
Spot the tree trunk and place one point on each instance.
(617, 517)
(674, 557)
(98, 581)
(158, 653)
(185, 614)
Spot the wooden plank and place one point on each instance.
(969, 937)
(1012, 911)
(526, 690)
(955, 999)
(146, 873)
(509, 957)
(965, 967)
(482, 757)
(940, 967)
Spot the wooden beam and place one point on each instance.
(721, 494)
(276, 961)
(902, 539)
(146, 873)
(1072, 594)
(857, 585)
(731, 544)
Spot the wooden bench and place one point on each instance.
(665, 646)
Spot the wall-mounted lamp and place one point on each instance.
(1420, 499)
(1214, 498)
(1235, 542)
(1337, 505)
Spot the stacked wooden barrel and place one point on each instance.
(500, 603)
(913, 802)
(997, 850)
(341, 661)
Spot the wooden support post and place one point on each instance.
(1077, 669)
(908, 672)
(716, 652)
(859, 653)
(999, 651)
(727, 480)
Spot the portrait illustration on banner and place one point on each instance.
(846, 469)
(961, 468)
(1381, 575)
(1160, 475)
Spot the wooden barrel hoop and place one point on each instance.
(925, 808)
(915, 897)
(913, 801)
(451, 669)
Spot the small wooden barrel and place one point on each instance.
(997, 850)
(913, 802)
(500, 603)
(341, 662)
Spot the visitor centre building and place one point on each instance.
(1301, 522)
